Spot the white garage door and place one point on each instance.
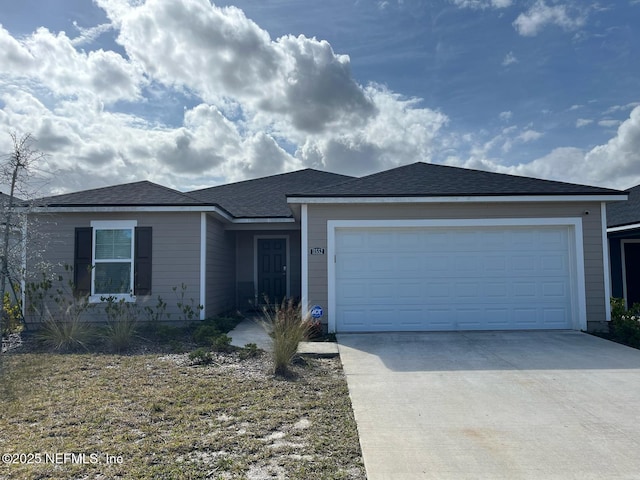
(461, 278)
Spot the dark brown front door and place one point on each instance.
(632, 272)
(272, 269)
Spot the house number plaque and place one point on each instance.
(317, 251)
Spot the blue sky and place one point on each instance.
(191, 94)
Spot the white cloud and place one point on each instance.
(506, 115)
(55, 63)
(401, 132)
(540, 15)
(482, 4)
(583, 122)
(621, 108)
(297, 80)
(529, 136)
(615, 164)
(509, 59)
(609, 123)
(88, 35)
(253, 95)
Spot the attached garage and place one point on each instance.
(430, 276)
(426, 247)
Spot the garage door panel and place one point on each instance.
(495, 289)
(453, 279)
(553, 317)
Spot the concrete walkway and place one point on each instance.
(251, 330)
(494, 405)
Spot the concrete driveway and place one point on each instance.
(494, 405)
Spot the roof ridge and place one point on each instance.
(281, 174)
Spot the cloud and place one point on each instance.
(615, 164)
(583, 122)
(53, 61)
(621, 108)
(482, 4)
(609, 123)
(506, 116)
(219, 53)
(402, 132)
(509, 59)
(529, 136)
(88, 35)
(540, 15)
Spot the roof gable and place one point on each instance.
(267, 196)
(625, 213)
(143, 193)
(431, 180)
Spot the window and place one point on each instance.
(113, 258)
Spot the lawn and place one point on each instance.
(105, 416)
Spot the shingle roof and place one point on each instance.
(266, 197)
(431, 180)
(625, 213)
(129, 194)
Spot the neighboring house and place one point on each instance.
(623, 230)
(419, 247)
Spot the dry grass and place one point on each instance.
(167, 419)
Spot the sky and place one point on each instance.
(191, 94)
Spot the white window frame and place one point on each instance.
(112, 225)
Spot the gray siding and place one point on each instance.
(221, 295)
(318, 214)
(176, 250)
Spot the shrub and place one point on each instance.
(222, 343)
(205, 334)
(625, 324)
(288, 329)
(121, 327)
(68, 333)
(250, 350)
(200, 357)
(11, 316)
(189, 311)
(224, 324)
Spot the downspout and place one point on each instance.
(203, 264)
(607, 267)
(304, 259)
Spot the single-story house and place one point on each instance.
(623, 230)
(418, 247)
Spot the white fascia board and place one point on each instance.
(163, 209)
(623, 228)
(462, 199)
(132, 208)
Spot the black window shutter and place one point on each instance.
(82, 260)
(142, 267)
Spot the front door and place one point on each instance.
(272, 269)
(632, 272)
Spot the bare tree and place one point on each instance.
(15, 171)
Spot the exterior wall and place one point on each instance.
(318, 214)
(246, 267)
(176, 250)
(221, 273)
